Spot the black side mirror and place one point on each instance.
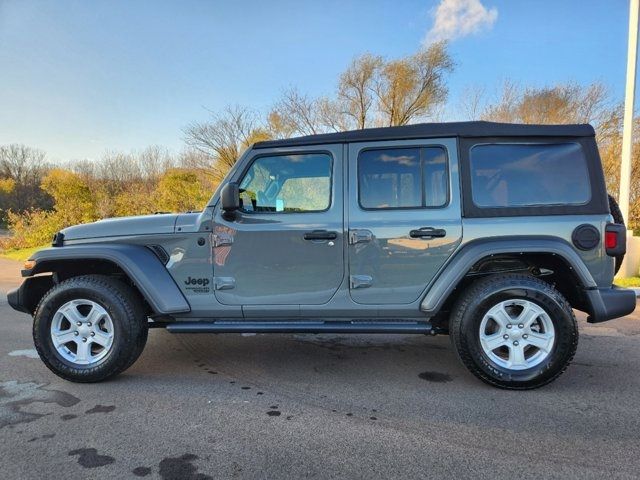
(230, 198)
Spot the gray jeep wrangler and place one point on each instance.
(491, 233)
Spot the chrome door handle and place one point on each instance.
(427, 232)
(360, 235)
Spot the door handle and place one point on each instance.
(427, 232)
(360, 236)
(320, 235)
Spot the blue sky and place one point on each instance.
(80, 77)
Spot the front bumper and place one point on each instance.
(25, 298)
(15, 298)
(610, 303)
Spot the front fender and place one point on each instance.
(140, 264)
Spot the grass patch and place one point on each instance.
(627, 282)
(20, 254)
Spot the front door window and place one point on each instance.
(288, 184)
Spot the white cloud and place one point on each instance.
(458, 18)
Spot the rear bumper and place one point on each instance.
(610, 303)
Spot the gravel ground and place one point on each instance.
(322, 406)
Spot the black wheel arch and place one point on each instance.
(552, 259)
(133, 264)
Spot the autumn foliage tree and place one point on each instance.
(74, 201)
(357, 89)
(411, 88)
(179, 191)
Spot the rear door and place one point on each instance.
(404, 217)
(285, 246)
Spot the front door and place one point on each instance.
(285, 245)
(404, 217)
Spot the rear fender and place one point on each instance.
(468, 255)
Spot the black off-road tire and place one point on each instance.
(475, 302)
(616, 213)
(127, 314)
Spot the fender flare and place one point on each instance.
(140, 264)
(462, 261)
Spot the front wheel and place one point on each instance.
(514, 331)
(89, 328)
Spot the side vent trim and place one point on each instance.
(160, 252)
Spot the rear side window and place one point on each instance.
(515, 175)
(402, 178)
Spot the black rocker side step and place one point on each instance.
(298, 327)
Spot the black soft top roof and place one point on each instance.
(433, 130)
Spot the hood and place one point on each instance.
(125, 226)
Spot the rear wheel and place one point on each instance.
(89, 328)
(514, 331)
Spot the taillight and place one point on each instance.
(615, 239)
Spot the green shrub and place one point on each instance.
(74, 202)
(31, 228)
(180, 190)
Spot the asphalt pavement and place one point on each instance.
(318, 406)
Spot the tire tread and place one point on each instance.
(482, 288)
(135, 323)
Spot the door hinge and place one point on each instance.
(221, 240)
(360, 281)
(359, 236)
(224, 283)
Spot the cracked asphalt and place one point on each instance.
(321, 406)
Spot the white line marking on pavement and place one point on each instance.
(31, 353)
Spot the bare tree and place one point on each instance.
(568, 103)
(153, 161)
(118, 167)
(85, 168)
(223, 139)
(333, 116)
(297, 113)
(609, 136)
(470, 104)
(503, 108)
(193, 159)
(356, 88)
(25, 167)
(278, 126)
(411, 87)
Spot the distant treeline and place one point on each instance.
(38, 198)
